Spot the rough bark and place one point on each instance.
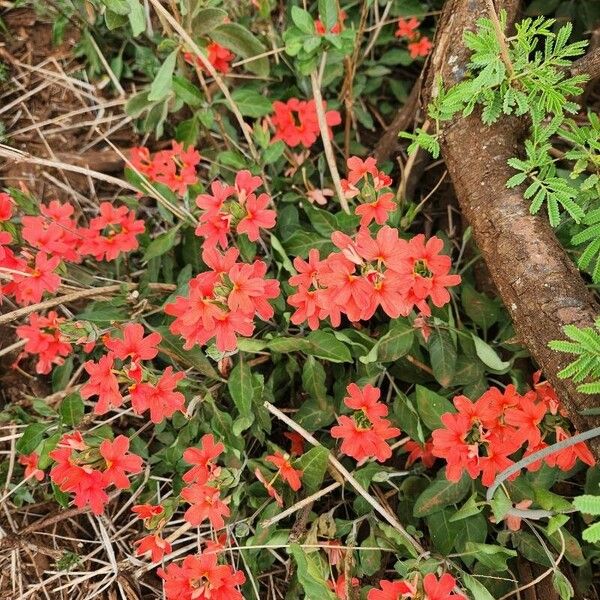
(538, 283)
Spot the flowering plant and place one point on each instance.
(263, 365)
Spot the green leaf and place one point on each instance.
(172, 346)
(300, 242)
(325, 345)
(251, 103)
(587, 504)
(242, 42)
(439, 494)
(408, 418)
(442, 352)
(490, 555)
(469, 508)
(185, 90)
(432, 406)
(315, 413)
(442, 531)
(241, 388)
(137, 18)
(313, 379)
(302, 20)
(328, 13)
(272, 153)
(488, 355)
(71, 409)
(206, 19)
(393, 345)
(161, 244)
(120, 7)
(163, 82)
(477, 589)
(479, 308)
(314, 466)
(31, 437)
(592, 533)
(311, 574)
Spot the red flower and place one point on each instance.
(6, 207)
(565, 459)
(102, 383)
(119, 462)
(112, 232)
(442, 589)
(161, 399)
(365, 433)
(206, 504)
(154, 544)
(243, 288)
(367, 400)
(54, 231)
(200, 577)
(339, 586)
(269, 487)
(218, 56)
(391, 590)
(337, 27)
(407, 28)
(526, 418)
(90, 492)
(359, 169)
(245, 212)
(203, 459)
(422, 47)
(297, 441)
(288, 473)
(425, 272)
(422, 452)
(29, 287)
(365, 439)
(134, 345)
(377, 211)
(296, 121)
(147, 511)
(30, 462)
(44, 338)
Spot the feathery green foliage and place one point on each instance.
(585, 344)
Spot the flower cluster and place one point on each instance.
(418, 45)
(371, 272)
(44, 338)
(87, 471)
(148, 392)
(296, 121)
(364, 434)
(55, 237)
(482, 436)
(234, 209)
(371, 185)
(175, 168)
(222, 302)
(431, 588)
(154, 517)
(218, 56)
(201, 577)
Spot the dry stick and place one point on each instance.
(79, 294)
(299, 505)
(209, 67)
(348, 476)
(16, 155)
(500, 36)
(335, 176)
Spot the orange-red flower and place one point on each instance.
(203, 459)
(288, 473)
(407, 28)
(30, 462)
(364, 434)
(206, 505)
(154, 544)
(296, 121)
